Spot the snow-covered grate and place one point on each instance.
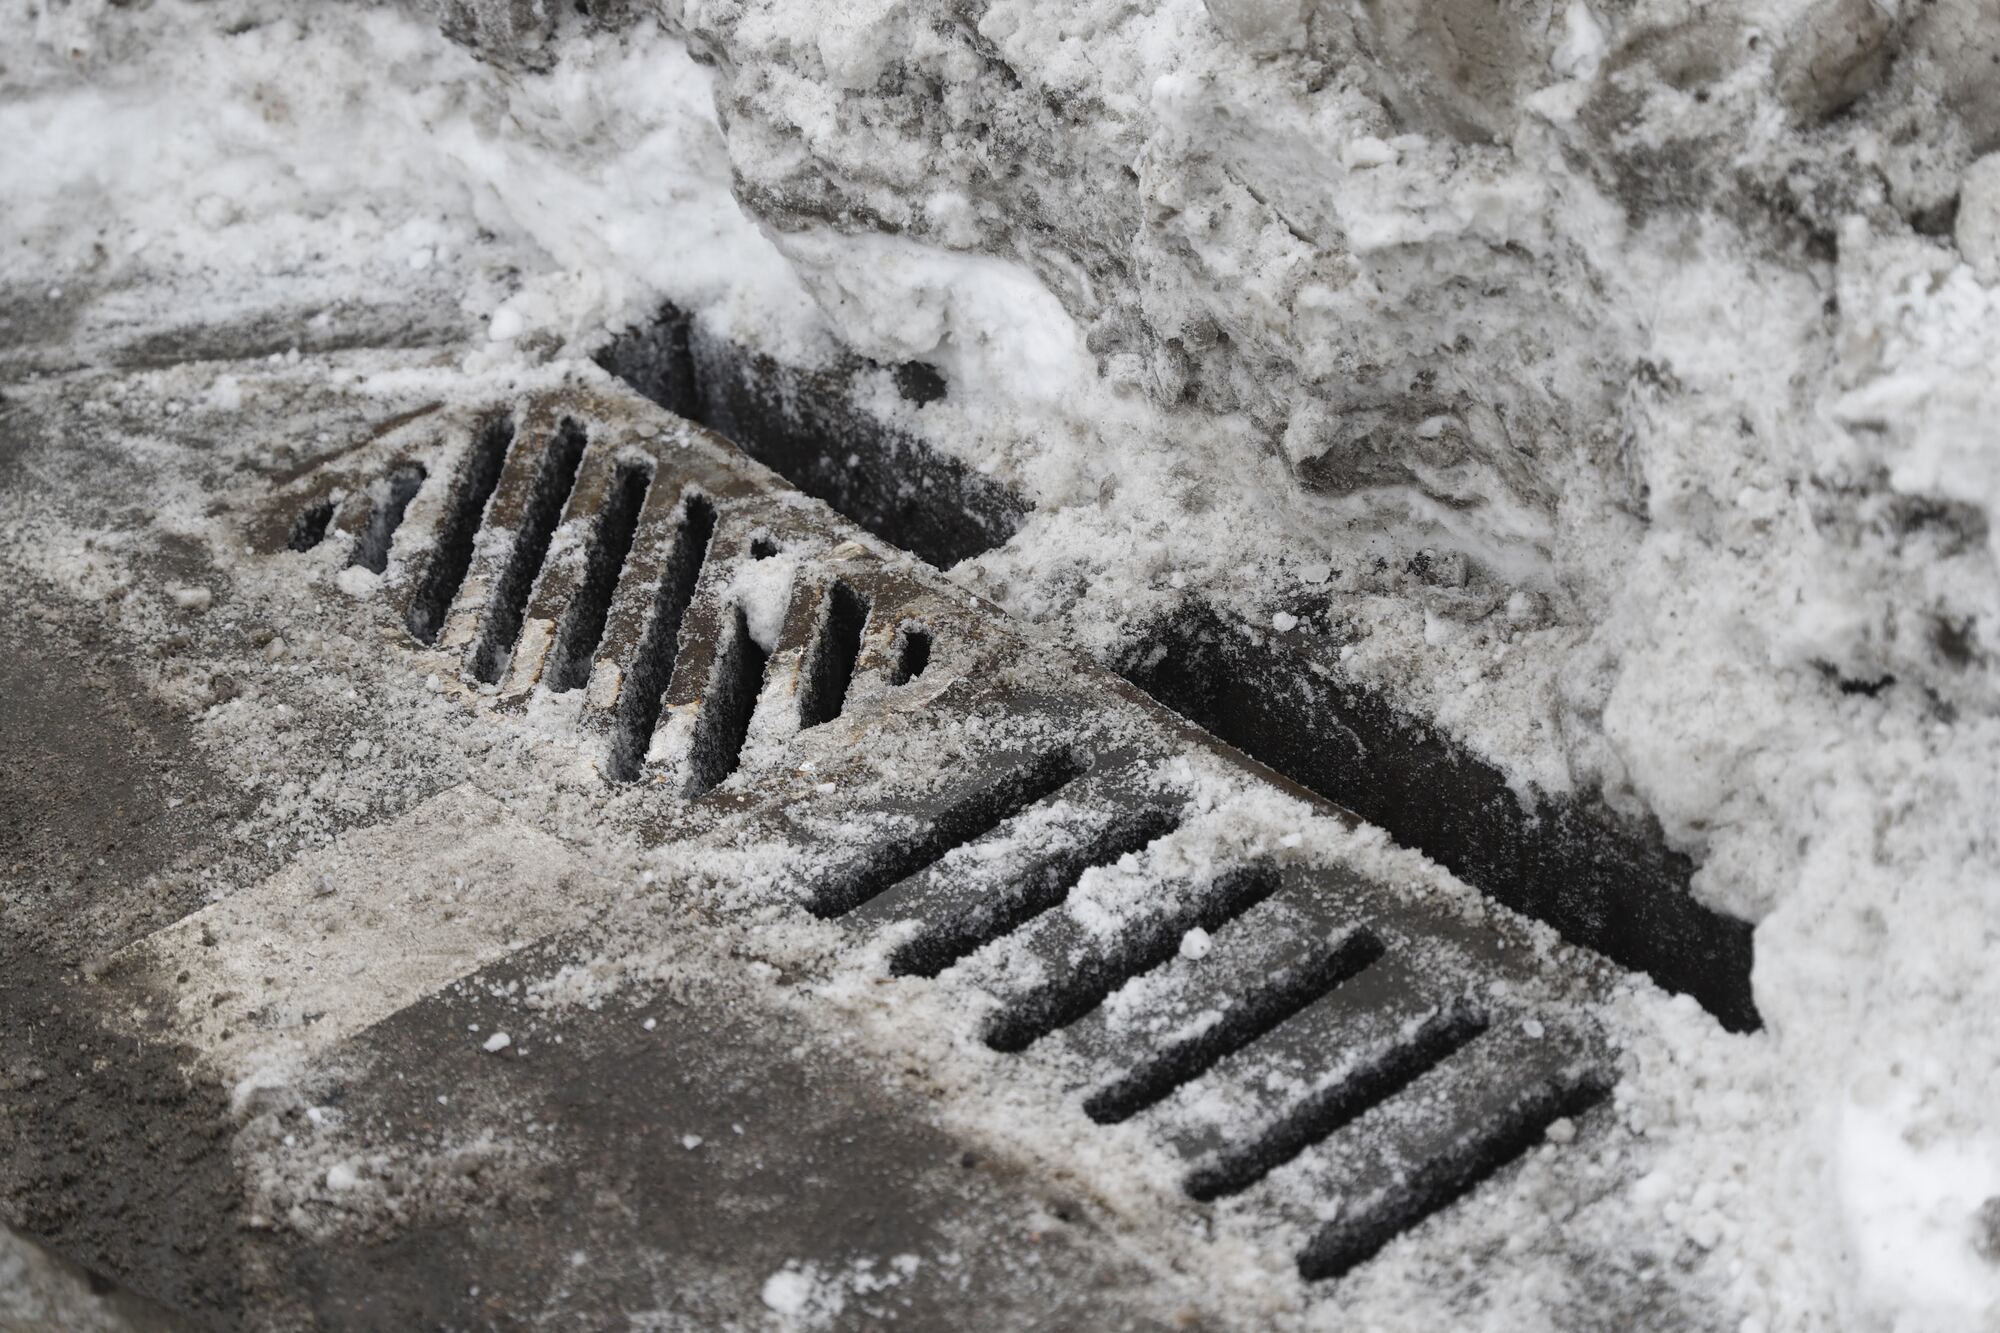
(1019, 830)
(556, 558)
(1355, 1051)
(1604, 881)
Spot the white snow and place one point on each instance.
(1766, 507)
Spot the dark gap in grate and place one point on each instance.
(727, 707)
(762, 548)
(971, 816)
(918, 383)
(1076, 992)
(655, 359)
(553, 481)
(913, 654)
(309, 528)
(809, 427)
(371, 548)
(941, 943)
(1340, 1104)
(610, 542)
(829, 667)
(1154, 1078)
(452, 556)
(1440, 1181)
(659, 644)
(1603, 882)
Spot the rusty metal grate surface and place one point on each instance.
(974, 812)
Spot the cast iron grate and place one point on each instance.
(1328, 1030)
(1605, 882)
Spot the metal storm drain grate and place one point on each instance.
(1605, 882)
(986, 820)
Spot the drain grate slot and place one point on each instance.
(1340, 1104)
(941, 943)
(829, 668)
(967, 819)
(913, 654)
(1436, 1182)
(726, 708)
(1185, 1060)
(610, 544)
(452, 556)
(371, 549)
(309, 528)
(553, 481)
(653, 664)
(1086, 985)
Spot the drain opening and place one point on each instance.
(309, 528)
(610, 543)
(726, 708)
(809, 426)
(452, 556)
(1434, 1184)
(1183, 1061)
(970, 817)
(554, 480)
(913, 654)
(371, 549)
(919, 384)
(941, 943)
(1090, 982)
(829, 668)
(1339, 1105)
(659, 643)
(762, 547)
(1613, 889)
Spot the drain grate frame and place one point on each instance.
(975, 871)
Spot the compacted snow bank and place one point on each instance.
(1632, 399)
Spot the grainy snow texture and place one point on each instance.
(1628, 377)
